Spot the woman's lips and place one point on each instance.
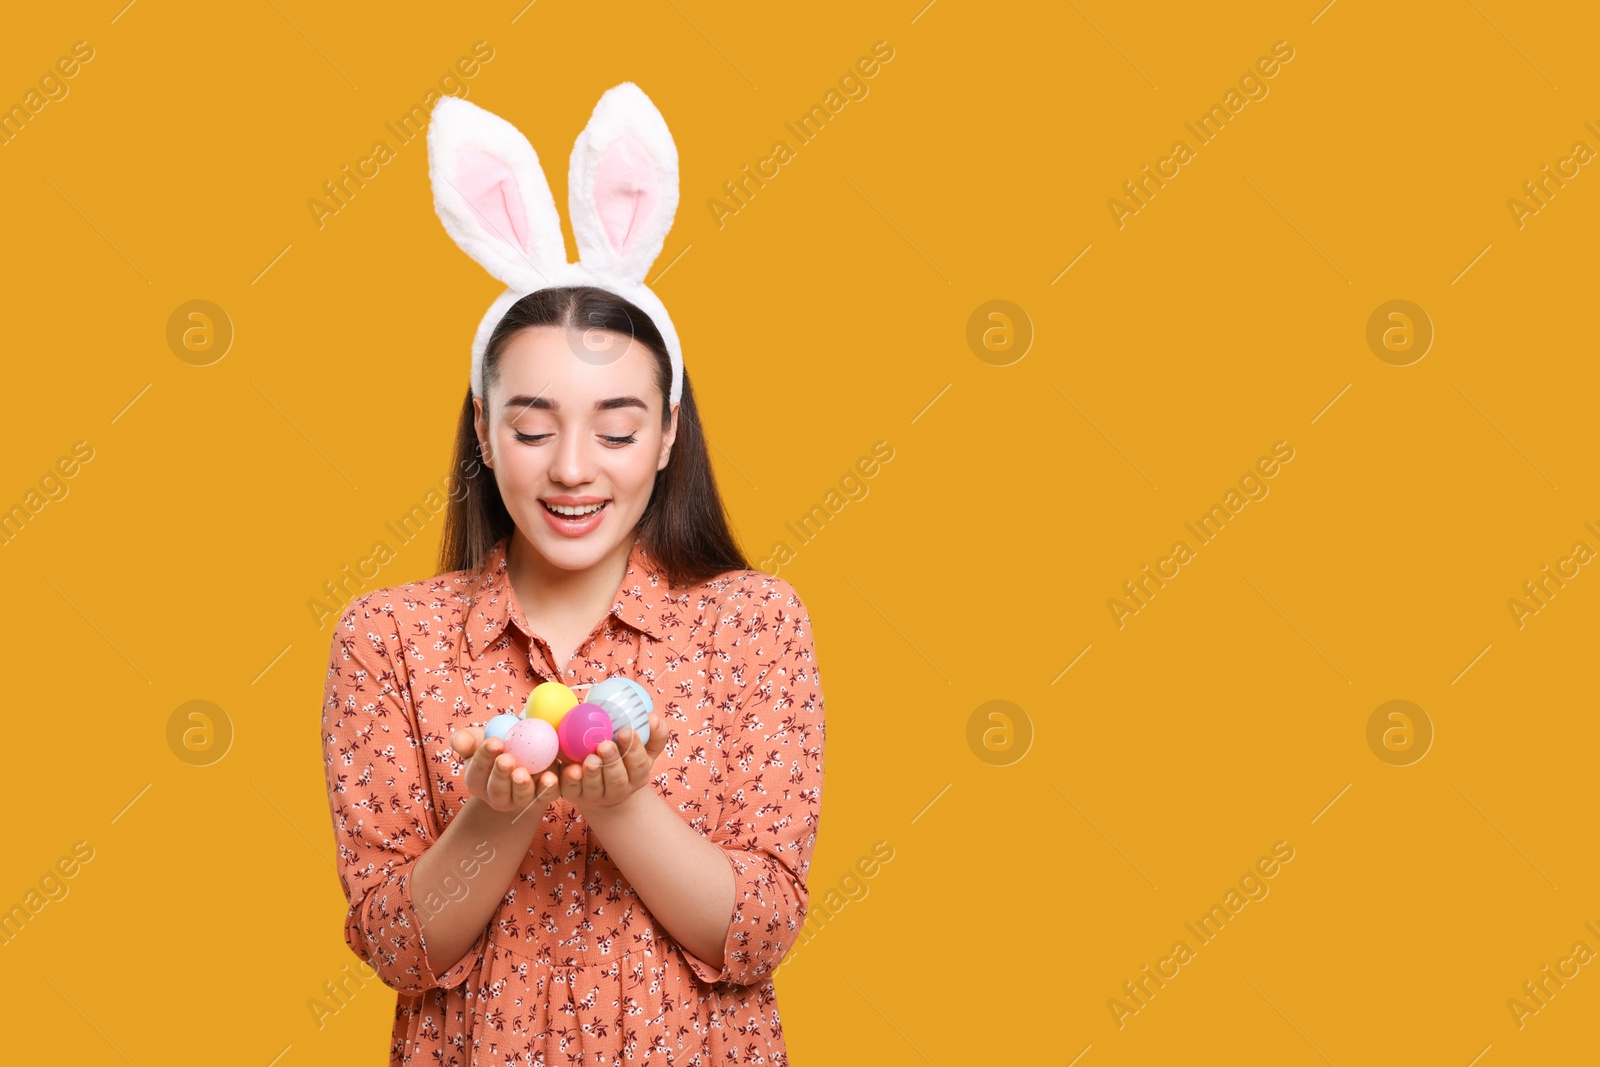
(574, 527)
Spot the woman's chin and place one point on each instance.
(576, 552)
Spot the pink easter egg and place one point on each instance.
(533, 744)
(582, 729)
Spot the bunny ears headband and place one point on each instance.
(494, 201)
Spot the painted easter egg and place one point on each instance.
(533, 744)
(550, 701)
(500, 725)
(626, 702)
(582, 730)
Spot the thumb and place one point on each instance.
(658, 735)
(465, 742)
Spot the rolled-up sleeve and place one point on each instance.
(382, 809)
(772, 796)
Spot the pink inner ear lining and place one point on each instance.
(490, 188)
(625, 190)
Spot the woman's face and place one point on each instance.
(574, 421)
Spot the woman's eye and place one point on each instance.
(530, 438)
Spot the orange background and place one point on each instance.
(1039, 859)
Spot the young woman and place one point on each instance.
(632, 907)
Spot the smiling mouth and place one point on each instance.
(576, 513)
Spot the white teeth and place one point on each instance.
(561, 509)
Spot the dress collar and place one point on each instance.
(644, 600)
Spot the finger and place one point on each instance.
(638, 764)
(572, 782)
(549, 787)
(499, 791)
(594, 785)
(487, 748)
(613, 770)
(631, 750)
(658, 735)
(482, 763)
(635, 759)
(524, 787)
(464, 742)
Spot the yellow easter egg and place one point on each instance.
(550, 701)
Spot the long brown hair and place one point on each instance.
(685, 525)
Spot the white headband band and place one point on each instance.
(494, 201)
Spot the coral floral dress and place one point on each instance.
(572, 968)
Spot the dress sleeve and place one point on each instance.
(772, 796)
(383, 812)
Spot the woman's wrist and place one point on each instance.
(491, 822)
(623, 810)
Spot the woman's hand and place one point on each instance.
(616, 770)
(494, 777)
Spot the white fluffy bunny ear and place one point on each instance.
(492, 196)
(623, 185)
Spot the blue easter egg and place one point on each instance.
(500, 725)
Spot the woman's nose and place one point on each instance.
(572, 463)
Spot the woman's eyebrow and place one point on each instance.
(547, 404)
